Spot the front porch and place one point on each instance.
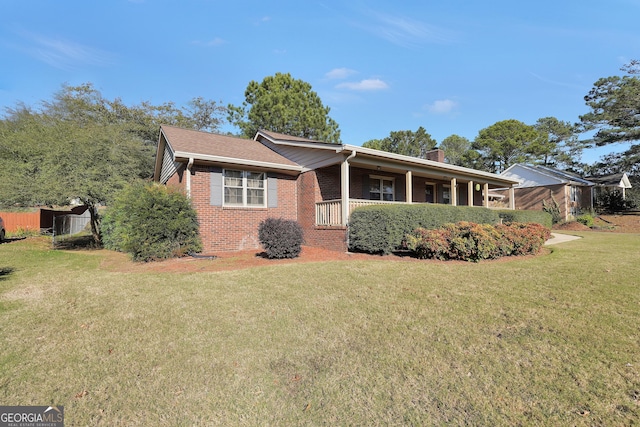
(368, 177)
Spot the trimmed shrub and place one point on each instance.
(281, 238)
(585, 219)
(151, 222)
(524, 239)
(526, 216)
(381, 229)
(430, 244)
(474, 242)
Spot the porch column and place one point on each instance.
(454, 192)
(409, 186)
(512, 198)
(344, 190)
(470, 193)
(486, 195)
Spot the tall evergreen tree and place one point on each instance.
(406, 142)
(559, 145)
(286, 105)
(507, 142)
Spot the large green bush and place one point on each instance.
(382, 228)
(151, 222)
(612, 201)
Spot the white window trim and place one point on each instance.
(386, 178)
(244, 203)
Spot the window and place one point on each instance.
(446, 194)
(244, 188)
(381, 188)
(573, 194)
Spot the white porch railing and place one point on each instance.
(329, 212)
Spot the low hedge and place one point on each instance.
(468, 241)
(381, 229)
(539, 217)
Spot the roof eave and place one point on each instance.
(316, 145)
(429, 163)
(236, 161)
(162, 142)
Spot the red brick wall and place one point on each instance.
(315, 186)
(232, 229)
(327, 181)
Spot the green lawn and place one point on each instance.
(547, 340)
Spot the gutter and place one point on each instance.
(236, 161)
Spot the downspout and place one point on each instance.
(189, 176)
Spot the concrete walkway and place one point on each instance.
(560, 238)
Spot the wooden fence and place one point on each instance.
(40, 220)
(14, 221)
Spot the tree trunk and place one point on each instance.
(95, 223)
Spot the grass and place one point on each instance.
(547, 340)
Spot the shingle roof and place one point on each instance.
(564, 175)
(209, 144)
(613, 179)
(284, 137)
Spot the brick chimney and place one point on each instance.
(436, 155)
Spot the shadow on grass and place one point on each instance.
(12, 239)
(5, 272)
(84, 242)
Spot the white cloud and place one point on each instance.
(63, 54)
(405, 31)
(340, 73)
(442, 106)
(217, 41)
(364, 85)
(556, 82)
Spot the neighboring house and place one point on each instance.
(611, 183)
(235, 183)
(541, 183)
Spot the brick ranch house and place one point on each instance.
(236, 183)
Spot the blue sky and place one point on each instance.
(452, 67)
